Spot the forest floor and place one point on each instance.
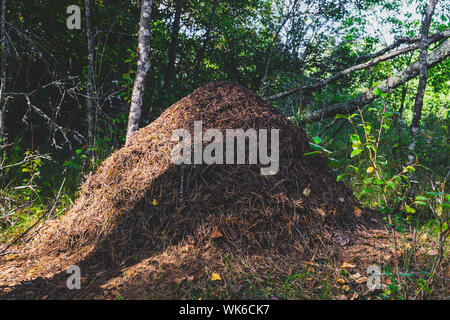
(207, 271)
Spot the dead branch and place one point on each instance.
(435, 57)
(365, 65)
(399, 41)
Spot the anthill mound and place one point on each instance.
(138, 202)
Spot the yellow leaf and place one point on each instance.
(439, 210)
(347, 265)
(340, 280)
(11, 257)
(154, 202)
(215, 277)
(370, 169)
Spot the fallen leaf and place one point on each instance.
(354, 296)
(432, 252)
(306, 192)
(361, 280)
(347, 265)
(424, 237)
(340, 280)
(320, 211)
(11, 257)
(216, 234)
(356, 276)
(215, 277)
(357, 211)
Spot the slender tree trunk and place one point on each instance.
(90, 81)
(403, 98)
(402, 103)
(173, 45)
(423, 74)
(3, 100)
(143, 66)
(201, 54)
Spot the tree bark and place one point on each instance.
(173, 45)
(90, 80)
(143, 66)
(201, 54)
(423, 74)
(3, 99)
(435, 57)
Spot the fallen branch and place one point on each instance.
(435, 57)
(365, 65)
(399, 41)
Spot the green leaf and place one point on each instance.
(311, 153)
(317, 140)
(409, 209)
(355, 152)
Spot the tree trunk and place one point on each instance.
(423, 74)
(399, 116)
(3, 99)
(201, 54)
(143, 66)
(173, 45)
(402, 103)
(90, 80)
(435, 57)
